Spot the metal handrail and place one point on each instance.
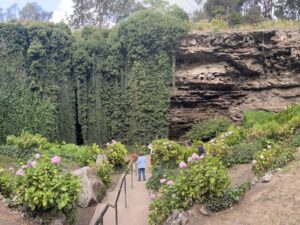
(115, 206)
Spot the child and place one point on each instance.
(141, 164)
(133, 159)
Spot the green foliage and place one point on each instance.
(169, 153)
(272, 157)
(26, 144)
(83, 155)
(227, 199)
(45, 188)
(104, 172)
(159, 173)
(35, 87)
(6, 183)
(295, 139)
(243, 152)
(201, 179)
(251, 118)
(116, 154)
(209, 129)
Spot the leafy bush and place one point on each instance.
(116, 154)
(201, 178)
(228, 199)
(209, 129)
(6, 183)
(83, 155)
(104, 172)
(154, 182)
(217, 147)
(8, 150)
(295, 139)
(44, 188)
(271, 158)
(168, 153)
(26, 144)
(243, 152)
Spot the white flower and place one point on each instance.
(269, 146)
(254, 161)
(262, 157)
(264, 149)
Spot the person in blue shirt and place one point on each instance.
(141, 165)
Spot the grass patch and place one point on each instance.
(7, 162)
(217, 25)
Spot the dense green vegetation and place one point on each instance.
(179, 181)
(91, 86)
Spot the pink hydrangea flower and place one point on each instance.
(37, 156)
(152, 196)
(195, 156)
(182, 165)
(11, 169)
(163, 180)
(20, 172)
(170, 182)
(56, 160)
(190, 159)
(33, 164)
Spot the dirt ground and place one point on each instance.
(274, 203)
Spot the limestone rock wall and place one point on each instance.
(228, 73)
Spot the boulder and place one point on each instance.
(266, 178)
(90, 186)
(177, 218)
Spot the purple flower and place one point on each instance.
(37, 156)
(182, 165)
(11, 169)
(33, 164)
(20, 172)
(170, 183)
(163, 180)
(152, 196)
(55, 160)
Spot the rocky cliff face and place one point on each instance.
(228, 73)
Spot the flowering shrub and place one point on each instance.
(169, 153)
(202, 178)
(104, 172)
(159, 177)
(83, 155)
(116, 154)
(44, 188)
(26, 144)
(270, 158)
(217, 146)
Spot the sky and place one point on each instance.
(63, 8)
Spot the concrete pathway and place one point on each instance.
(138, 203)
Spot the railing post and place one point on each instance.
(116, 216)
(125, 192)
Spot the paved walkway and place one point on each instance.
(138, 203)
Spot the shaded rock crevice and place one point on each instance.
(229, 73)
